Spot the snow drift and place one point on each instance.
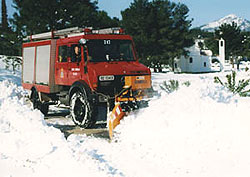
(28, 146)
(199, 131)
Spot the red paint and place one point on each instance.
(40, 88)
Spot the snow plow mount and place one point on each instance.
(125, 102)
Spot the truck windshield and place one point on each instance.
(110, 50)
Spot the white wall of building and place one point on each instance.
(195, 62)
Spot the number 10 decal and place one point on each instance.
(107, 42)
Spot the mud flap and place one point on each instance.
(114, 118)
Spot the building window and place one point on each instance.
(62, 53)
(221, 43)
(190, 60)
(205, 64)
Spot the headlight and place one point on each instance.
(140, 78)
(107, 78)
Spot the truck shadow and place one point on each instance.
(62, 121)
(58, 113)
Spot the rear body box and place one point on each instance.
(39, 66)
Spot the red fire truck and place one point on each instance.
(88, 70)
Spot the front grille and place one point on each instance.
(111, 87)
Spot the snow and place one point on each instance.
(199, 131)
(7, 74)
(229, 19)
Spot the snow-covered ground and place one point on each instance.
(198, 131)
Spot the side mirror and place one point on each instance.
(83, 41)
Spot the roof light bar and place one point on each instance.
(116, 30)
(74, 31)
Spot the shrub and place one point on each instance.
(12, 62)
(187, 83)
(173, 85)
(233, 86)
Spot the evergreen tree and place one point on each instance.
(8, 39)
(212, 44)
(198, 33)
(44, 15)
(233, 37)
(160, 29)
(78, 13)
(246, 45)
(5, 25)
(9, 44)
(136, 22)
(38, 16)
(104, 21)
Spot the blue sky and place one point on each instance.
(202, 11)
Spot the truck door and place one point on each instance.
(76, 63)
(61, 65)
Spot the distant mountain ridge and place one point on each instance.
(229, 19)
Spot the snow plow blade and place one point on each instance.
(131, 98)
(121, 110)
(114, 118)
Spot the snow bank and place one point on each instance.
(198, 131)
(8, 74)
(29, 147)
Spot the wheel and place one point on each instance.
(37, 104)
(44, 108)
(83, 113)
(35, 99)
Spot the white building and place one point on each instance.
(198, 61)
(202, 61)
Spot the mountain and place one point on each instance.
(242, 23)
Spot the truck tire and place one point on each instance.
(44, 108)
(37, 104)
(82, 112)
(34, 98)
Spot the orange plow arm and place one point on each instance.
(114, 118)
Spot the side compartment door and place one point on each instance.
(62, 67)
(76, 63)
